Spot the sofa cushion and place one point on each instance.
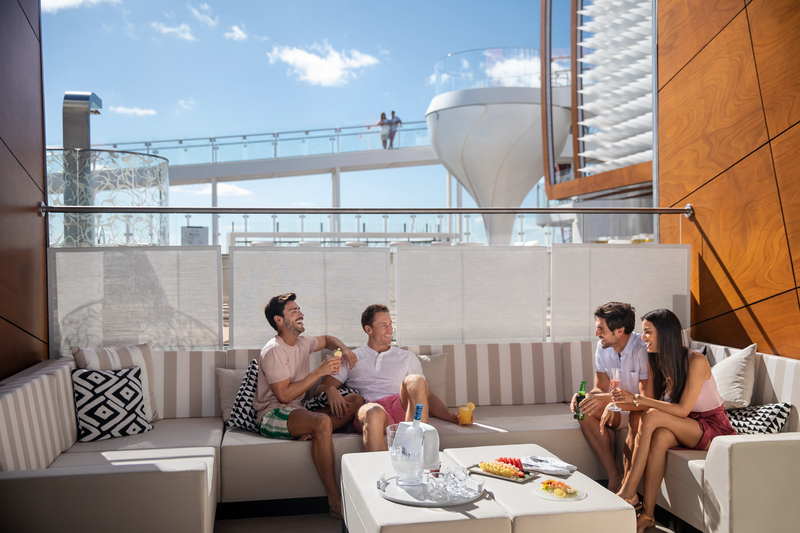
(735, 377)
(109, 403)
(682, 489)
(549, 425)
(30, 424)
(229, 381)
(434, 368)
(760, 419)
(251, 463)
(123, 357)
(243, 414)
(175, 433)
(185, 383)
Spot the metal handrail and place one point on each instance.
(687, 210)
(213, 139)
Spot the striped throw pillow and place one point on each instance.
(121, 357)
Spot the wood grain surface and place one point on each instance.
(685, 27)
(21, 113)
(19, 350)
(772, 324)
(710, 114)
(775, 27)
(786, 155)
(738, 233)
(23, 270)
(630, 175)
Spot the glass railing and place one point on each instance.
(201, 150)
(498, 67)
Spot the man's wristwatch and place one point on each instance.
(636, 400)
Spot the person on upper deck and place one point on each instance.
(685, 409)
(385, 127)
(619, 347)
(283, 379)
(394, 124)
(389, 379)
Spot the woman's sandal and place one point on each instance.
(642, 520)
(633, 501)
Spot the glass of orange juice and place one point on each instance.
(465, 414)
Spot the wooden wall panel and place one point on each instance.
(710, 114)
(23, 270)
(23, 265)
(775, 27)
(744, 257)
(27, 350)
(772, 324)
(21, 123)
(786, 155)
(621, 177)
(685, 27)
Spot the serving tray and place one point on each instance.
(417, 495)
(476, 469)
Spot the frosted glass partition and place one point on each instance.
(471, 295)
(647, 276)
(333, 287)
(168, 297)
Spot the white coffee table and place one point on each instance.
(600, 512)
(366, 511)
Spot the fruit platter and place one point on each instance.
(555, 490)
(506, 468)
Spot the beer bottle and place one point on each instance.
(581, 396)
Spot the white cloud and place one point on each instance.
(326, 67)
(183, 31)
(52, 6)
(223, 189)
(204, 15)
(236, 33)
(261, 39)
(514, 71)
(432, 79)
(187, 104)
(136, 111)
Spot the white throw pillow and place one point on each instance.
(229, 382)
(686, 337)
(735, 377)
(434, 367)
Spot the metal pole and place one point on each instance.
(336, 199)
(521, 229)
(466, 233)
(656, 199)
(449, 201)
(302, 226)
(458, 203)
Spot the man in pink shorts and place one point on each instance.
(389, 379)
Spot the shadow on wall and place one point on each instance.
(122, 318)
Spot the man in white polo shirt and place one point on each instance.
(619, 347)
(389, 379)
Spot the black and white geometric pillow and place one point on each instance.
(109, 403)
(318, 402)
(243, 415)
(760, 419)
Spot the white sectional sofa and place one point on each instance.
(171, 478)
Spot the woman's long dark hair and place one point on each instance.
(670, 366)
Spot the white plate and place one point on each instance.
(418, 495)
(553, 498)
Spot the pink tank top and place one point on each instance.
(709, 397)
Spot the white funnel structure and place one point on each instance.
(490, 138)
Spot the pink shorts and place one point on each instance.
(394, 411)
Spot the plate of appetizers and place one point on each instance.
(505, 468)
(558, 491)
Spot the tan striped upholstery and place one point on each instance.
(30, 424)
(577, 359)
(500, 374)
(185, 383)
(777, 379)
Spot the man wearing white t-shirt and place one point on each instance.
(619, 347)
(389, 379)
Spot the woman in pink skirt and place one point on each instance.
(688, 412)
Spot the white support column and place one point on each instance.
(449, 200)
(214, 218)
(458, 202)
(336, 200)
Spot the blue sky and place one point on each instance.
(171, 69)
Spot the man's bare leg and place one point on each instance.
(602, 446)
(373, 420)
(354, 403)
(413, 391)
(302, 422)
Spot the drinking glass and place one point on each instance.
(456, 481)
(615, 382)
(437, 486)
